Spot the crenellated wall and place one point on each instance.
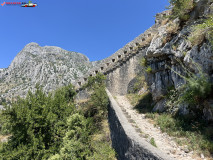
(121, 58)
(119, 78)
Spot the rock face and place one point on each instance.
(49, 66)
(163, 46)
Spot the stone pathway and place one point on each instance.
(147, 131)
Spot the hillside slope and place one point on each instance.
(50, 66)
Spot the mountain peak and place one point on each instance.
(49, 65)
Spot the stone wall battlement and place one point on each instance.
(122, 55)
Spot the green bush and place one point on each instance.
(181, 8)
(37, 124)
(77, 143)
(143, 62)
(52, 127)
(148, 70)
(98, 102)
(74, 143)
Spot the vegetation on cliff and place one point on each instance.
(201, 31)
(181, 8)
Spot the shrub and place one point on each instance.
(97, 105)
(73, 146)
(181, 8)
(79, 142)
(51, 127)
(148, 70)
(37, 124)
(202, 31)
(138, 84)
(152, 142)
(143, 62)
(194, 91)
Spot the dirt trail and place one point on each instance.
(164, 142)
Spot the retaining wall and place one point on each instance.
(126, 141)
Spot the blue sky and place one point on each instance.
(96, 28)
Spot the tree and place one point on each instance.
(38, 123)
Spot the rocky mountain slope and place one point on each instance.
(49, 66)
(168, 51)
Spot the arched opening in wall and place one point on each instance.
(96, 72)
(113, 60)
(79, 83)
(90, 75)
(119, 56)
(130, 48)
(137, 44)
(125, 52)
(107, 64)
(85, 79)
(149, 35)
(143, 39)
(102, 68)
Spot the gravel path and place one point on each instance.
(164, 142)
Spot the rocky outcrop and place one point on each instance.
(170, 47)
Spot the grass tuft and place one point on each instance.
(152, 142)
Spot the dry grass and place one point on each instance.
(164, 21)
(146, 42)
(166, 39)
(197, 36)
(104, 134)
(4, 138)
(172, 27)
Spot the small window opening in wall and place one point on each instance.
(149, 35)
(137, 44)
(125, 52)
(85, 79)
(96, 72)
(90, 75)
(143, 39)
(130, 48)
(113, 60)
(107, 64)
(102, 68)
(79, 83)
(119, 56)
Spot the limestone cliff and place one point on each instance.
(49, 66)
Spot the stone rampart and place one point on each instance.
(122, 55)
(126, 141)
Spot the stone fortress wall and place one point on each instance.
(124, 54)
(120, 69)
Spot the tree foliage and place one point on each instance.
(52, 126)
(37, 123)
